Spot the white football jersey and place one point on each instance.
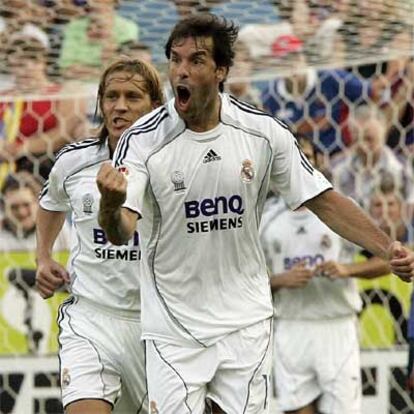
(289, 237)
(99, 271)
(200, 196)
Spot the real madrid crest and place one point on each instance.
(177, 178)
(65, 377)
(247, 171)
(87, 203)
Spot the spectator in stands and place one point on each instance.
(62, 12)
(377, 32)
(400, 112)
(358, 172)
(21, 16)
(91, 41)
(19, 201)
(388, 208)
(20, 306)
(186, 8)
(317, 31)
(32, 129)
(135, 50)
(374, 29)
(17, 16)
(313, 103)
(240, 85)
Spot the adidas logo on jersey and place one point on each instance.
(211, 156)
(301, 230)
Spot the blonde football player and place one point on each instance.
(101, 357)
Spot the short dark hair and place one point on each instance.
(223, 32)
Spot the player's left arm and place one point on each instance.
(352, 223)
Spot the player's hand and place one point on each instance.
(401, 261)
(112, 185)
(332, 270)
(298, 276)
(50, 276)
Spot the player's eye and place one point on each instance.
(174, 58)
(198, 60)
(134, 96)
(111, 96)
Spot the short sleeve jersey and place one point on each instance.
(99, 271)
(200, 196)
(289, 237)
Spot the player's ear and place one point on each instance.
(221, 73)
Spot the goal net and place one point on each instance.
(340, 72)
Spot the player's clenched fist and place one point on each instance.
(50, 276)
(298, 276)
(401, 261)
(112, 185)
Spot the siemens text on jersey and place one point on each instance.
(217, 206)
(131, 254)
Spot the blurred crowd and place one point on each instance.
(340, 72)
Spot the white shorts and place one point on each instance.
(234, 373)
(101, 356)
(318, 360)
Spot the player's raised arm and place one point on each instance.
(349, 221)
(50, 275)
(119, 223)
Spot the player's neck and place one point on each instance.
(205, 119)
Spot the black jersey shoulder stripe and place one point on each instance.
(252, 110)
(304, 160)
(44, 190)
(82, 143)
(150, 121)
(126, 136)
(121, 154)
(76, 146)
(247, 107)
(303, 156)
(243, 103)
(68, 148)
(306, 167)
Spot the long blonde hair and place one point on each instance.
(134, 67)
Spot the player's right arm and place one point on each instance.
(296, 277)
(118, 223)
(50, 275)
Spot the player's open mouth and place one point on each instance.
(183, 97)
(120, 122)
